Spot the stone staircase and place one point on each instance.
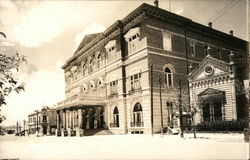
(94, 132)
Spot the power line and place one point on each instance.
(223, 11)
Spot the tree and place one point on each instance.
(9, 69)
(182, 104)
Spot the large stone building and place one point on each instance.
(115, 78)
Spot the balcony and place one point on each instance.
(136, 124)
(114, 125)
(132, 91)
(113, 95)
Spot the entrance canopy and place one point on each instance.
(79, 106)
(211, 94)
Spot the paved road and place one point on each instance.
(123, 147)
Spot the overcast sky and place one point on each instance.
(48, 32)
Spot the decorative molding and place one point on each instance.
(131, 33)
(110, 44)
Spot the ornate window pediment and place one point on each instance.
(85, 87)
(67, 74)
(74, 68)
(131, 33)
(111, 49)
(92, 84)
(132, 38)
(110, 44)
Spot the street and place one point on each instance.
(220, 146)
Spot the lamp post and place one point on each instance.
(180, 110)
(161, 106)
(36, 122)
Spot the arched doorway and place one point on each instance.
(100, 118)
(212, 102)
(116, 117)
(84, 119)
(137, 117)
(91, 119)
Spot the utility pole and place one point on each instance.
(36, 122)
(17, 127)
(180, 110)
(24, 126)
(151, 96)
(161, 105)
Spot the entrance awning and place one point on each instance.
(81, 105)
(211, 94)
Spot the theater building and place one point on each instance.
(126, 78)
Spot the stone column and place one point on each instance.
(68, 124)
(69, 119)
(57, 123)
(63, 122)
(79, 122)
(73, 119)
(234, 110)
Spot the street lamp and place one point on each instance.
(36, 122)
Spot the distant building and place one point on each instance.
(43, 121)
(110, 83)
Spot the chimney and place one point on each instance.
(156, 3)
(210, 25)
(231, 32)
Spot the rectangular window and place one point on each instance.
(135, 81)
(133, 44)
(113, 87)
(192, 45)
(167, 44)
(219, 54)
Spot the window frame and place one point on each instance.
(168, 80)
(168, 46)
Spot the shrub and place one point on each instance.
(222, 126)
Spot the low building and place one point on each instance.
(43, 121)
(217, 91)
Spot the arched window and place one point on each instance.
(84, 69)
(98, 64)
(90, 65)
(115, 118)
(137, 120)
(168, 78)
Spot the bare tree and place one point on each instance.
(182, 104)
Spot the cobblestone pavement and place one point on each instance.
(220, 146)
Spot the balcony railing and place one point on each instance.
(114, 125)
(132, 91)
(136, 124)
(113, 95)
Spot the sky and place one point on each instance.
(48, 32)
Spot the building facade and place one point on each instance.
(127, 79)
(216, 88)
(42, 122)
